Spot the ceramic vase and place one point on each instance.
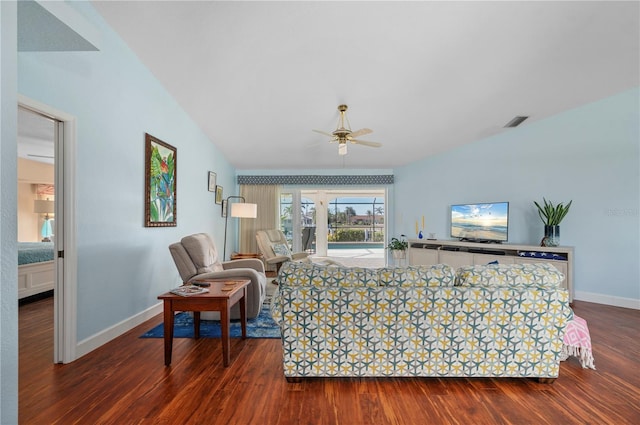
(552, 235)
(398, 254)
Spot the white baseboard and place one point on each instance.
(607, 299)
(89, 344)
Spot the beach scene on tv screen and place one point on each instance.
(480, 221)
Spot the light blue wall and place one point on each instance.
(123, 266)
(8, 225)
(589, 155)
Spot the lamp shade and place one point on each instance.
(244, 210)
(42, 206)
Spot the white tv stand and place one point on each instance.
(458, 254)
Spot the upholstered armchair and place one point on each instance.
(275, 249)
(196, 257)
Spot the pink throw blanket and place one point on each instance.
(577, 342)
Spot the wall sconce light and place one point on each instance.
(46, 207)
(241, 209)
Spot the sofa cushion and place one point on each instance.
(524, 275)
(295, 274)
(302, 274)
(345, 276)
(434, 275)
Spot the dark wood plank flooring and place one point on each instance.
(126, 382)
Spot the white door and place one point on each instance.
(65, 308)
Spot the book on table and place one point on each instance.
(189, 290)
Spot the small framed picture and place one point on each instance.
(212, 181)
(224, 207)
(218, 194)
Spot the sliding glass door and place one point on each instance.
(320, 220)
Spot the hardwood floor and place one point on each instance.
(126, 382)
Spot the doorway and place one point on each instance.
(55, 133)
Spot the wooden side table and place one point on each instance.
(222, 295)
(242, 256)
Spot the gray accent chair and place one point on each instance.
(196, 257)
(269, 242)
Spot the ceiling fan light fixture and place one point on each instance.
(342, 148)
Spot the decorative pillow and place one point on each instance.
(435, 275)
(281, 249)
(522, 275)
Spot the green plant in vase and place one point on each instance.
(551, 215)
(398, 247)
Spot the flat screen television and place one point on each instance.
(487, 222)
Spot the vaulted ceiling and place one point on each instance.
(426, 77)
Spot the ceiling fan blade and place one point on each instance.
(365, 143)
(323, 132)
(361, 132)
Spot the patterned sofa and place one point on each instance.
(431, 321)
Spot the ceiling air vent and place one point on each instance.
(515, 122)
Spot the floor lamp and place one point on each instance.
(241, 209)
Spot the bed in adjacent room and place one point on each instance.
(36, 271)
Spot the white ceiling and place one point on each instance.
(35, 136)
(426, 76)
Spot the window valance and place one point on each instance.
(318, 180)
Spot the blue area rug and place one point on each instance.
(262, 326)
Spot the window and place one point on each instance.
(356, 219)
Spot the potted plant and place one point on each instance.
(551, 215)
(398, 247)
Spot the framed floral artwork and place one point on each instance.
(160, 183)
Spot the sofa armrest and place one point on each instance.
(245, 263)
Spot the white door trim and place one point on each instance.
(65, 307)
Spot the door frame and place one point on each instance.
(65, 288)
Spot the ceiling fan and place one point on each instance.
(343, 135)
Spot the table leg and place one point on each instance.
(243, 313)
(196, 324)
(168, 332)
(225, 315)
